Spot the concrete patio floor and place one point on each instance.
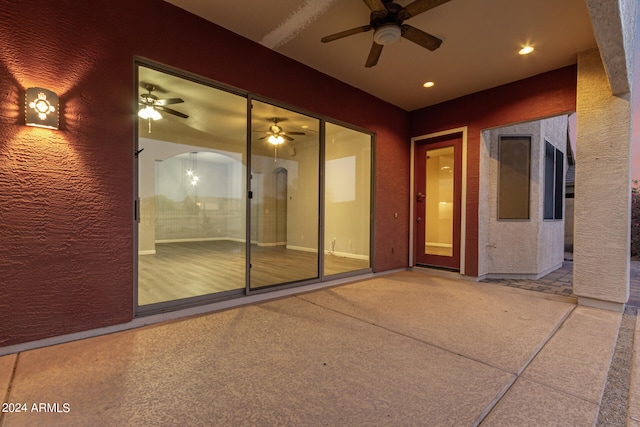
(401, 349)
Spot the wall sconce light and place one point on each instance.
(41, 108)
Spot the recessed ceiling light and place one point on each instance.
(526, 50)
(429, 84)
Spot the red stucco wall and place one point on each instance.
(544, 95)
(66, 226)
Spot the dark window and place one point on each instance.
(513, 181)
(553, 180)
(559, 186)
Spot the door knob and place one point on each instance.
(419, 219)
(420, 196)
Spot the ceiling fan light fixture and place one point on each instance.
(387, 34)
(275, 140)
(149, 112)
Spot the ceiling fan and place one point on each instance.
(387, 20)
(276, 135)
(151, 105)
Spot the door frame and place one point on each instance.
(463, 205)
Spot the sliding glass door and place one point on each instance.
(285, 153)
(191, 190)
(238, 195)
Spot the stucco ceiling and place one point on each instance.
(479, 51)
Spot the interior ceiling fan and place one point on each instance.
(276, 135)
(387, 21)
(151, 105)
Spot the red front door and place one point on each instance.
(437, 216)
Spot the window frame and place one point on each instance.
(500, 206)
(553, 197)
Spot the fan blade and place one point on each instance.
(346, 33)
(374, 55)
(376, 6)
(169, 101)
(287, 137)
(418, 7)
(170, 111)
(295, 133)
(417, 36)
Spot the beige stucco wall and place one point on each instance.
(602, 201)
(519, 248)
(483, 207)
(551, 232)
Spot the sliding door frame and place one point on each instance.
(173, 305)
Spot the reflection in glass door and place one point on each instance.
(285, 152)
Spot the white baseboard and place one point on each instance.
(348, 255)
(269, 245)
(302, 249)
(195, 239)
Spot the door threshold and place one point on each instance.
(437, 267)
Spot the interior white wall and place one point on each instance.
(263, 186)
(519, 248)
(303, 191)
(347, 232)
(228, 189)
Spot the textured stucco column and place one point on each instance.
(602, 189)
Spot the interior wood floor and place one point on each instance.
(189, 269)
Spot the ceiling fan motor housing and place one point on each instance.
(387, 25)
(148, 99)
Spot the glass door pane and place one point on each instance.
(439, 201)
(191, 187)
(285, 196)
(347, 196)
